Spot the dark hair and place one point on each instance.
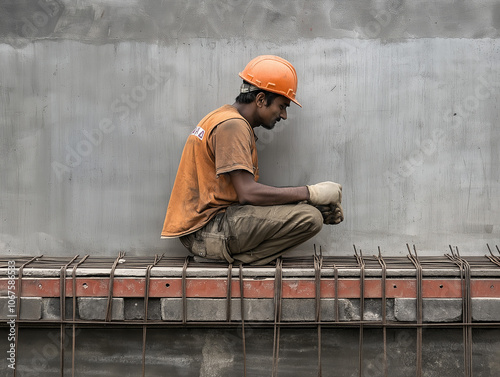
(250, 97)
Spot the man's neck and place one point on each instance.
(247, 111)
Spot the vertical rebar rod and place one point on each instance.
(361, 265)
(184, 290)
(109, 306)
(277, 314)
(465, 277)
(492, 257)
(146, 304)
(418, 271)
(318, 264)
(18, 307)
(73, 332)
(229, 291)
(383, 266)
(242, 309)
(62, 306)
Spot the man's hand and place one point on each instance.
(332, 214)
(325, 193)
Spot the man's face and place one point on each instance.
(273, 113)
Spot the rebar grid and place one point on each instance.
(318, 262)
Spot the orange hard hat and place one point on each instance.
(272, 73)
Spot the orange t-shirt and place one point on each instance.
(222, 142)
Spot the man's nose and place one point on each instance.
(283, 114)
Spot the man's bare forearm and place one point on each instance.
(254, 193)
(264, 195)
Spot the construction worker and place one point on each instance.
(217, 207)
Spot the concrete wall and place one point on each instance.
(400, 106)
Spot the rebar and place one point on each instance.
(319, 263)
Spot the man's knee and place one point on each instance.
(313, 218)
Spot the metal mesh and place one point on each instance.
(413, 263)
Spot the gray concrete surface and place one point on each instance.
(400, 106)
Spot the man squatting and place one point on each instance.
(217, 207)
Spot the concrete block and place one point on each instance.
(486, 309)
(373, 310)
(51, 308)
(134, 309)
(255, 309)
(296, 309)
(171, 309)
(207, 310)
(345, 307)
(434, 309)
(93, 309)
(31, 308)
(350, 310)
(197, 309)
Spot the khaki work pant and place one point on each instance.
(254, 235)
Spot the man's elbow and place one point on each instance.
(244, 200)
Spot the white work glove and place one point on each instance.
(325, 193)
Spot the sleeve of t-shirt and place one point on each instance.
(231, 146)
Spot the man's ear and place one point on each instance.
(260, 99)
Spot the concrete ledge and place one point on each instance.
(95, 309)
(435, 310)
(196, 271)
